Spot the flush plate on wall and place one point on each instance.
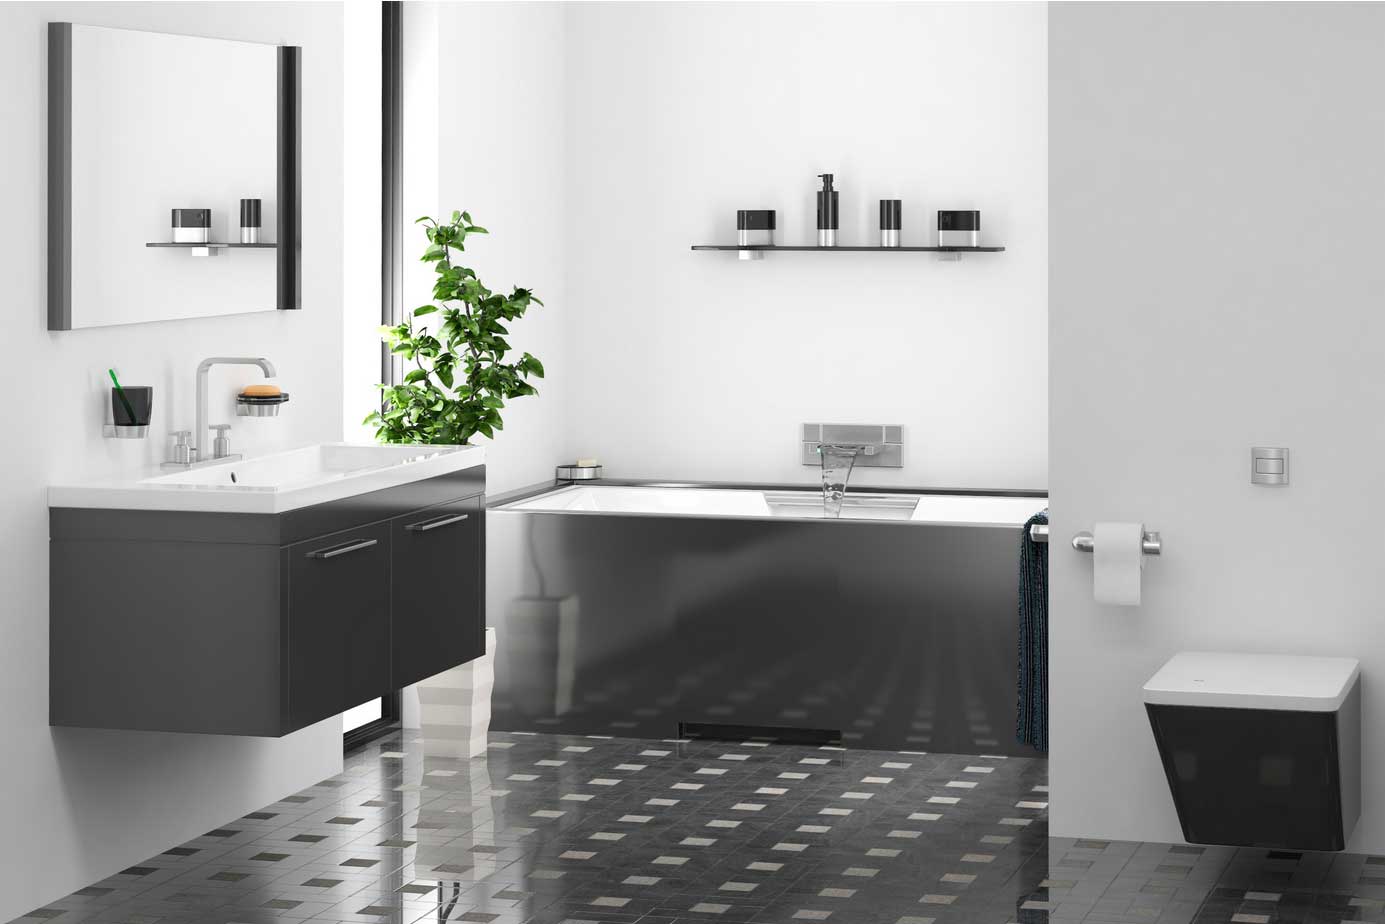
(884, 443)
(1269, 465)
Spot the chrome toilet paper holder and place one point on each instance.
(1151, 542)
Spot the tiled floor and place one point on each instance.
(548, 829)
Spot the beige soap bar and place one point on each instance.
(262, 391)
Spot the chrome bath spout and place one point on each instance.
(837, 461)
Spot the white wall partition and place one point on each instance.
(1215, 286)
(83, 804)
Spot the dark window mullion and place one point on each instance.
(391, 259)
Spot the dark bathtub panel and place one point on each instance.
(901, 636)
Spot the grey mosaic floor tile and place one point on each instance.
(563, 830)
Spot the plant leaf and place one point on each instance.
(459, 381)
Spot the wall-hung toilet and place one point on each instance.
(1260, 750)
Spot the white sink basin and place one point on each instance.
(274, 483)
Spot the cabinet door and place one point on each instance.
(437, 598)
(338, 622)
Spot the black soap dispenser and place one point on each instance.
(827, 212)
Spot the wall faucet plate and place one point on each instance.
(884, 444)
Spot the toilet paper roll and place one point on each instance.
(1117, 560)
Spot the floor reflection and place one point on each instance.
(565, 830)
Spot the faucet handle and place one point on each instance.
(182, 452)
(221, 446)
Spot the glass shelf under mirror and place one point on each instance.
(262, 245)
(845, 248)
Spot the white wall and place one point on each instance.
(502, 143)
(485, 132)
(695, 365)
(360, 239)
(598, 141)
(1216, 285)
(80, 805)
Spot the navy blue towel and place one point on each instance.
(1031, 711)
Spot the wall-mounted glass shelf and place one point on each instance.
(769, 248)
(262, 245)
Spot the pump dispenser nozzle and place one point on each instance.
(827, 212)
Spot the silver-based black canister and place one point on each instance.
(250, 221)
(959, 228)
(891, 222)
(754, 228)
(192, 226)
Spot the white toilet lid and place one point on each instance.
(1253, 681)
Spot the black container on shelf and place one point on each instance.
(192, 226)
(250, 221)
(828, 214)
(891, 222)
(959, 228)
(754, 228)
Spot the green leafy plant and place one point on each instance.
(460, 378)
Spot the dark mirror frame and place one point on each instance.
(288, 169)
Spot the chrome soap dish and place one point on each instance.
(581, 470)
(260, 405)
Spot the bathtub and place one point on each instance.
(692, 500)
(653, 610)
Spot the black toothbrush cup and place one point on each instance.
(131, 408)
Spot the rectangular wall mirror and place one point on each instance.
(142, 123)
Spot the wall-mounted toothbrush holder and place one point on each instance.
(131, 408)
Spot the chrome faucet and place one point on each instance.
(198, 452)
(837, 461)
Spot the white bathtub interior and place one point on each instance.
(959, 509)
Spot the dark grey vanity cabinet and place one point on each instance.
(262, 624)
(338, 622)
(445, 625)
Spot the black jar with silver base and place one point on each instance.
(192, 226)
(754, 228)
(891, 222)
(250, 221)
(959, 228)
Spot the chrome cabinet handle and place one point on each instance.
(345, 549)
(437, 524)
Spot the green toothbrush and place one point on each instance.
(120, 393)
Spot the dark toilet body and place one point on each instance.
(1260, 750)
